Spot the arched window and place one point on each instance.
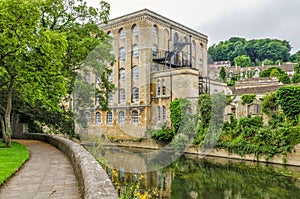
(122, 95)
(122, 53)
(110, 97)
(135, 50)
(122, 74)
(88, 117)
(122, 33)
(98, 118)
(109, 118)
(110, 34)
(201, 51)
(158, 88)
(164, 114)
(158, 114)
(184, 60)
(154, 30)
(154, 50)
(201, 64)
(135, 30)
(176, 38)
(135, 117)
(193, 61)
(135, 94)
(121, 117)
(135, 72)
(163, 82)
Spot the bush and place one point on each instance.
(164, 135)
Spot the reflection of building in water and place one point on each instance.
(155, 182)
(157, 61)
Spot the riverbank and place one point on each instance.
(291, 159)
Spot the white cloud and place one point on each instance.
(221, 19)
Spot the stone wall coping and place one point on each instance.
(93, 181)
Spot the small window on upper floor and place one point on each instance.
(176, 38)
(135, 94)
(122, 33)
(110, 34)
(135, 30)
(135, 50)
(110, 77)
(201, 51)
(109, 119)
(122, 74)
(163, 82)
(154, 50)
(122, 53)
(88, 117)
(110, 97)
(154, 30)
(122, 95)
(135, 72)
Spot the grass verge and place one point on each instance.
(11, 159)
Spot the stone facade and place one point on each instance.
(157, 61)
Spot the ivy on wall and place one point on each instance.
(288, 99)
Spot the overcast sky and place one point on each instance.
(222, 19)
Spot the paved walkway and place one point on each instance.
(47, 174)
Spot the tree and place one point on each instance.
(178, 108)
(268, 62)
(248, 99)
(43, 43)
(269, 104)
(223, 74)
(31, 61)
(242, 61)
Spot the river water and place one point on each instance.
(191, 176)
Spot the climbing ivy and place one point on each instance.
(248, 98)
(269, 104)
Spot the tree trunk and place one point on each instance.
(7, 132)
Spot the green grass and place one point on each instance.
(11, 159)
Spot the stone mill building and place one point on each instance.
(157, 61)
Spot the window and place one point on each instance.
(158, 87)
(109, 118)
(88, 117)
(98, 118)
(164, 114)
(87, 78)
(122, 74)
(121, 117)
(110, 78)
(176, 38)
(122, 33)
(110, 97)
(184, 60)
(158, 114)
(154, 30)
(201, 51)
(135, 72)
(193, 61)
(122, 95)
(122, 53)
(135, 50)
(110, 34)
(135, 30)
(256, 109)
(135, 117)
(154, 50)
(201, 64)
(163, 82)
(135, 94)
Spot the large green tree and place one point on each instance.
(242, 61)
(43, 44)
(30, 60)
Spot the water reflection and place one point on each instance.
(191, 177)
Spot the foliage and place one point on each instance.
(268, 62)
(11, 159)
(296, 78)
(223, 74)
(164, 135)
(269, 104)
(43, 43)
(267, 73)
(204, 108)
(242, 61)
(257, 49)
(179, 109)
(248, 98)
(288, 99)
(285, 79)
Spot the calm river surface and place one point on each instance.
(192, 177)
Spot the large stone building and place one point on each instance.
(157, 61)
